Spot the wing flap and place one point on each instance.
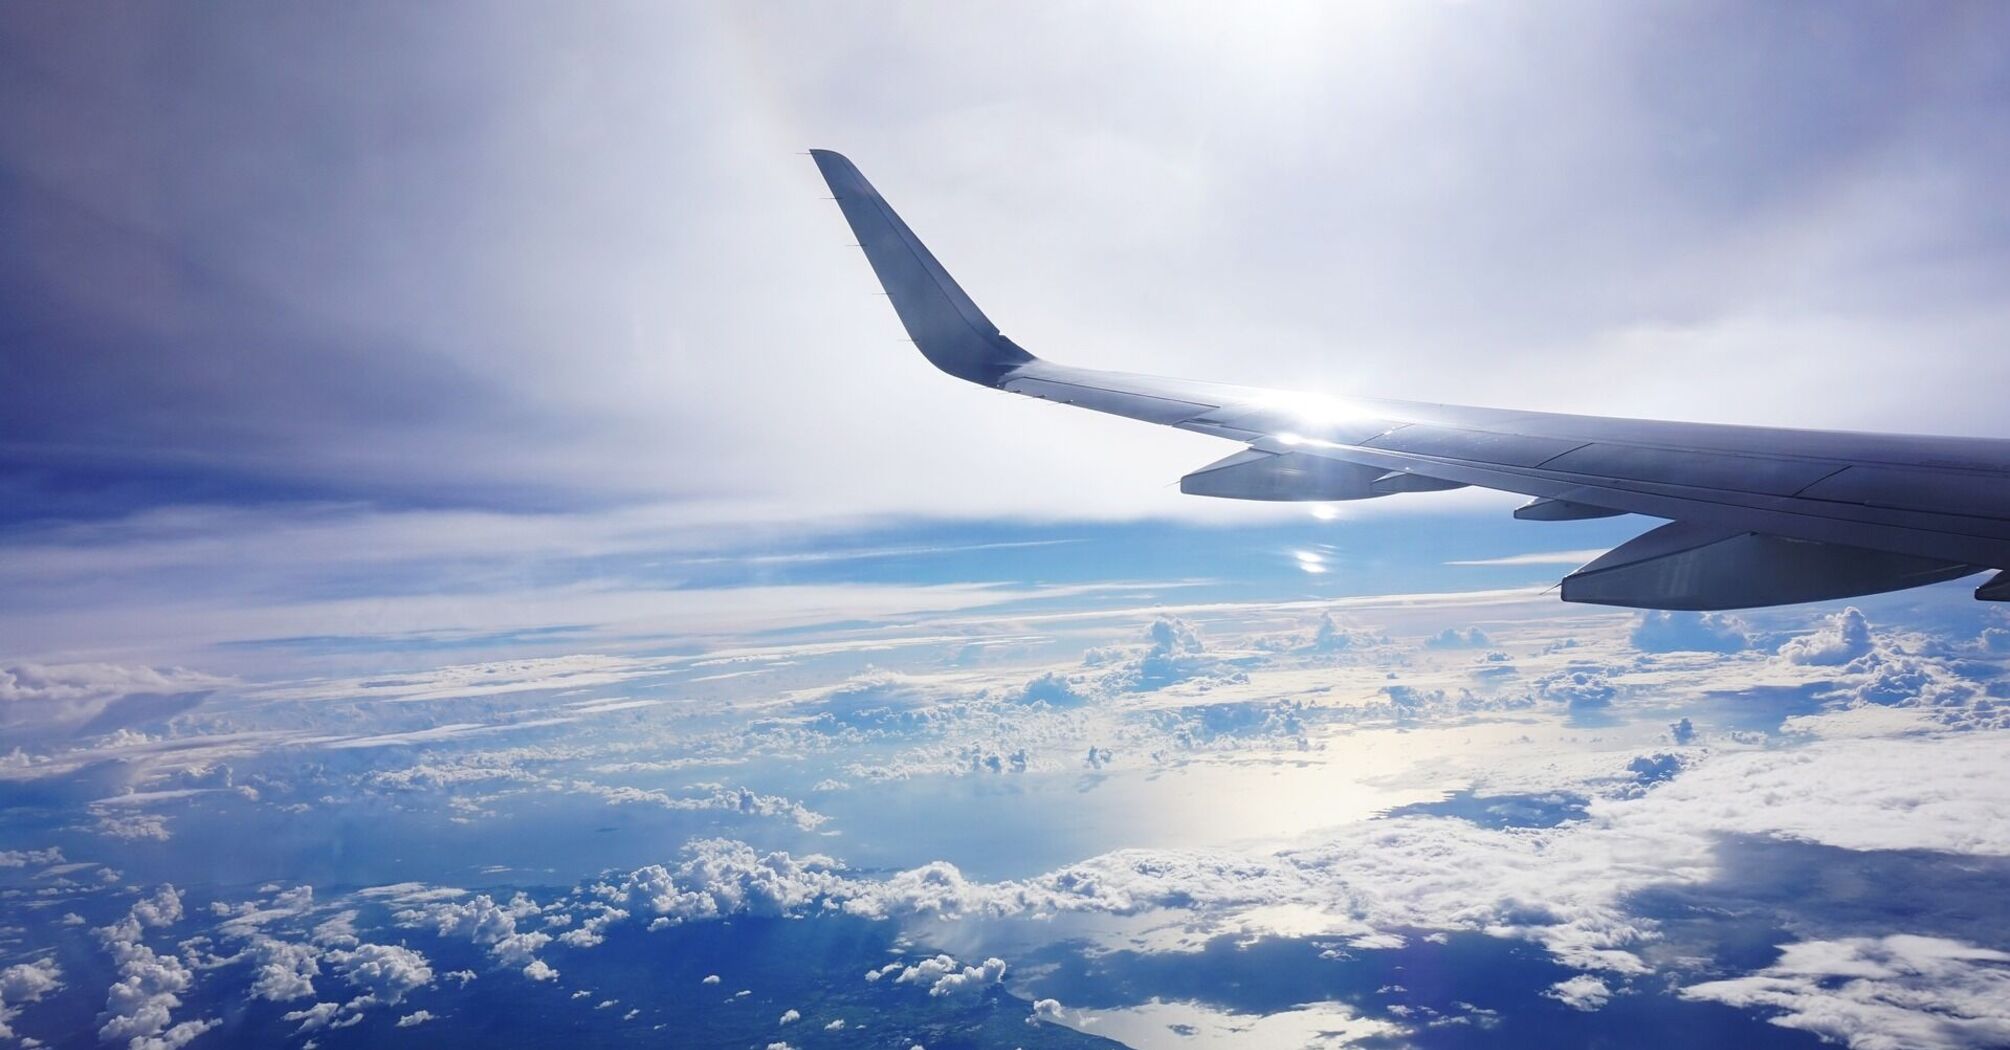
(1940, 491)
(1767, 475)
(1478, 446)
(1684, 565)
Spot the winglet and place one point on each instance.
(951, 331)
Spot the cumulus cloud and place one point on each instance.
(1880, 993)
(1583, 992)
(1578, 688)
(416, 1018)
(139, 1005)
(980, 759)
(1453, 638)
(285, 971)
(593, 931)
(943, 977)
(1649, 770)
(1672, 632)
(318, 1016)
(1331, 637)
(1173, 653)
(720, 877)
(1844, 637)
(878, 700)
(1940, 792)
(1895, 680)
(1564, 887)
(1052, 689)
(485, 922)
(21, 858)
(22, 983)
(177, 1036)
(383, 973)
(131, 827)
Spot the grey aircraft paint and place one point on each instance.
(1760, 516)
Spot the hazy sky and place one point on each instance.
(560, 256)
(534, 281)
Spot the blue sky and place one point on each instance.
(474, 545)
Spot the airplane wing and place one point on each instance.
(1755, 516)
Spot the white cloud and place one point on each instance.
(16, 858)
(176, 1037)
(1453, 638)
(320, 1015)
(1880, 993)
(487, 923)
(139, 1006)
(943, 977)
(38, 700)
(285, 971)
(1672, 632)
(1330, 636)
(22, 983)
(593, 931)
(732, 800)
(1578, 688)
(384, 973)
(1583, 992)
(1053, 689)
(1845, 637)
(136, 827)
(416, 1018)
(1939, 792)
(721, 877)
(1159, 1024)
(1173, 653)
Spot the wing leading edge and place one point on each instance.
(1756, 516)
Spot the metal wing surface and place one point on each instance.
(1755, 515)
